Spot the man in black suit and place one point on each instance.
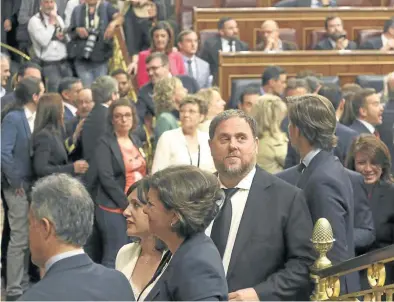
(363, 221)
(386, 129)
(345, 135)
(273, 80)
(265, 225)
(271, 40)
(226, 41)
(73, 127)
(158, 68)
(385, 41)
(368, 111)
(335, 36)
(68, 88)
(61, 219)
(104, 92)
(326, 185)
(28, 69)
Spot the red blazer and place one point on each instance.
(177, 66)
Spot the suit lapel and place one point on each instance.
(322, 155)
(114, 145)
(253, 205)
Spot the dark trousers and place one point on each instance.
(54, 72)
(112, 227)
(94, 245)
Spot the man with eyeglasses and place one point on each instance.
(157, 66)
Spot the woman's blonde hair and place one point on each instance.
(268, 112)
(163, 94)
(207, 94)
(385, 92)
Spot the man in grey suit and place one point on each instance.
(60, 220)
(195, 67)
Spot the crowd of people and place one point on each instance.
(178, 194)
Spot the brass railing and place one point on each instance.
(326, 276)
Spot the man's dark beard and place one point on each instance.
(242, 171)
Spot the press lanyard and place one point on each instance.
(190, 156)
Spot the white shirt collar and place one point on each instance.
(72, 108)
(185, 58)
(2, 92)
(308, 158)
(105, 105)
(369, 126)
(28, 113)
(384, 40)
(51, 261)
(245, 183)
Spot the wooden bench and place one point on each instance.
(346, 65)
(303, 20)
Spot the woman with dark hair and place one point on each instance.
(49, 153)
(139, 260)
(181, 203)
(119, 162)
(162, 40)
(369, 156)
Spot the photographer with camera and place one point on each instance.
(46, 30)
(92, 28)
(335, 36)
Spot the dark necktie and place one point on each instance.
(189, 68)
(222, 223)
(231, 43)
(301, 167)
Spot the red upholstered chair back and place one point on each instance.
(366, 34)
(239, 3)
(316, 36)
(285, 34)
(187, 10)
(206, 34)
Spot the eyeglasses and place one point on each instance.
(191, 112)
(127, 116)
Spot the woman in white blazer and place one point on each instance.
(185, 145)
(140, 260)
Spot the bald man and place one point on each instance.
(74, 126)
(271, 40)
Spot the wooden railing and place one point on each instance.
(326, 276)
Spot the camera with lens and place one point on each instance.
(90, 42)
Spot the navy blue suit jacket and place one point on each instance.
(345, 138)
(364, 233)
(359, 127)
(68, 115)
(8, 99)
(16, 149)
(195, 273)
(329, 194)
(78, 278)
(386, 129)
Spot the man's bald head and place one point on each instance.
(270, 30)
(84, 102)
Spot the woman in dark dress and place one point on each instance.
(49, 152)
(370, 157)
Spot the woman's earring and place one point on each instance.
(172, 224)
